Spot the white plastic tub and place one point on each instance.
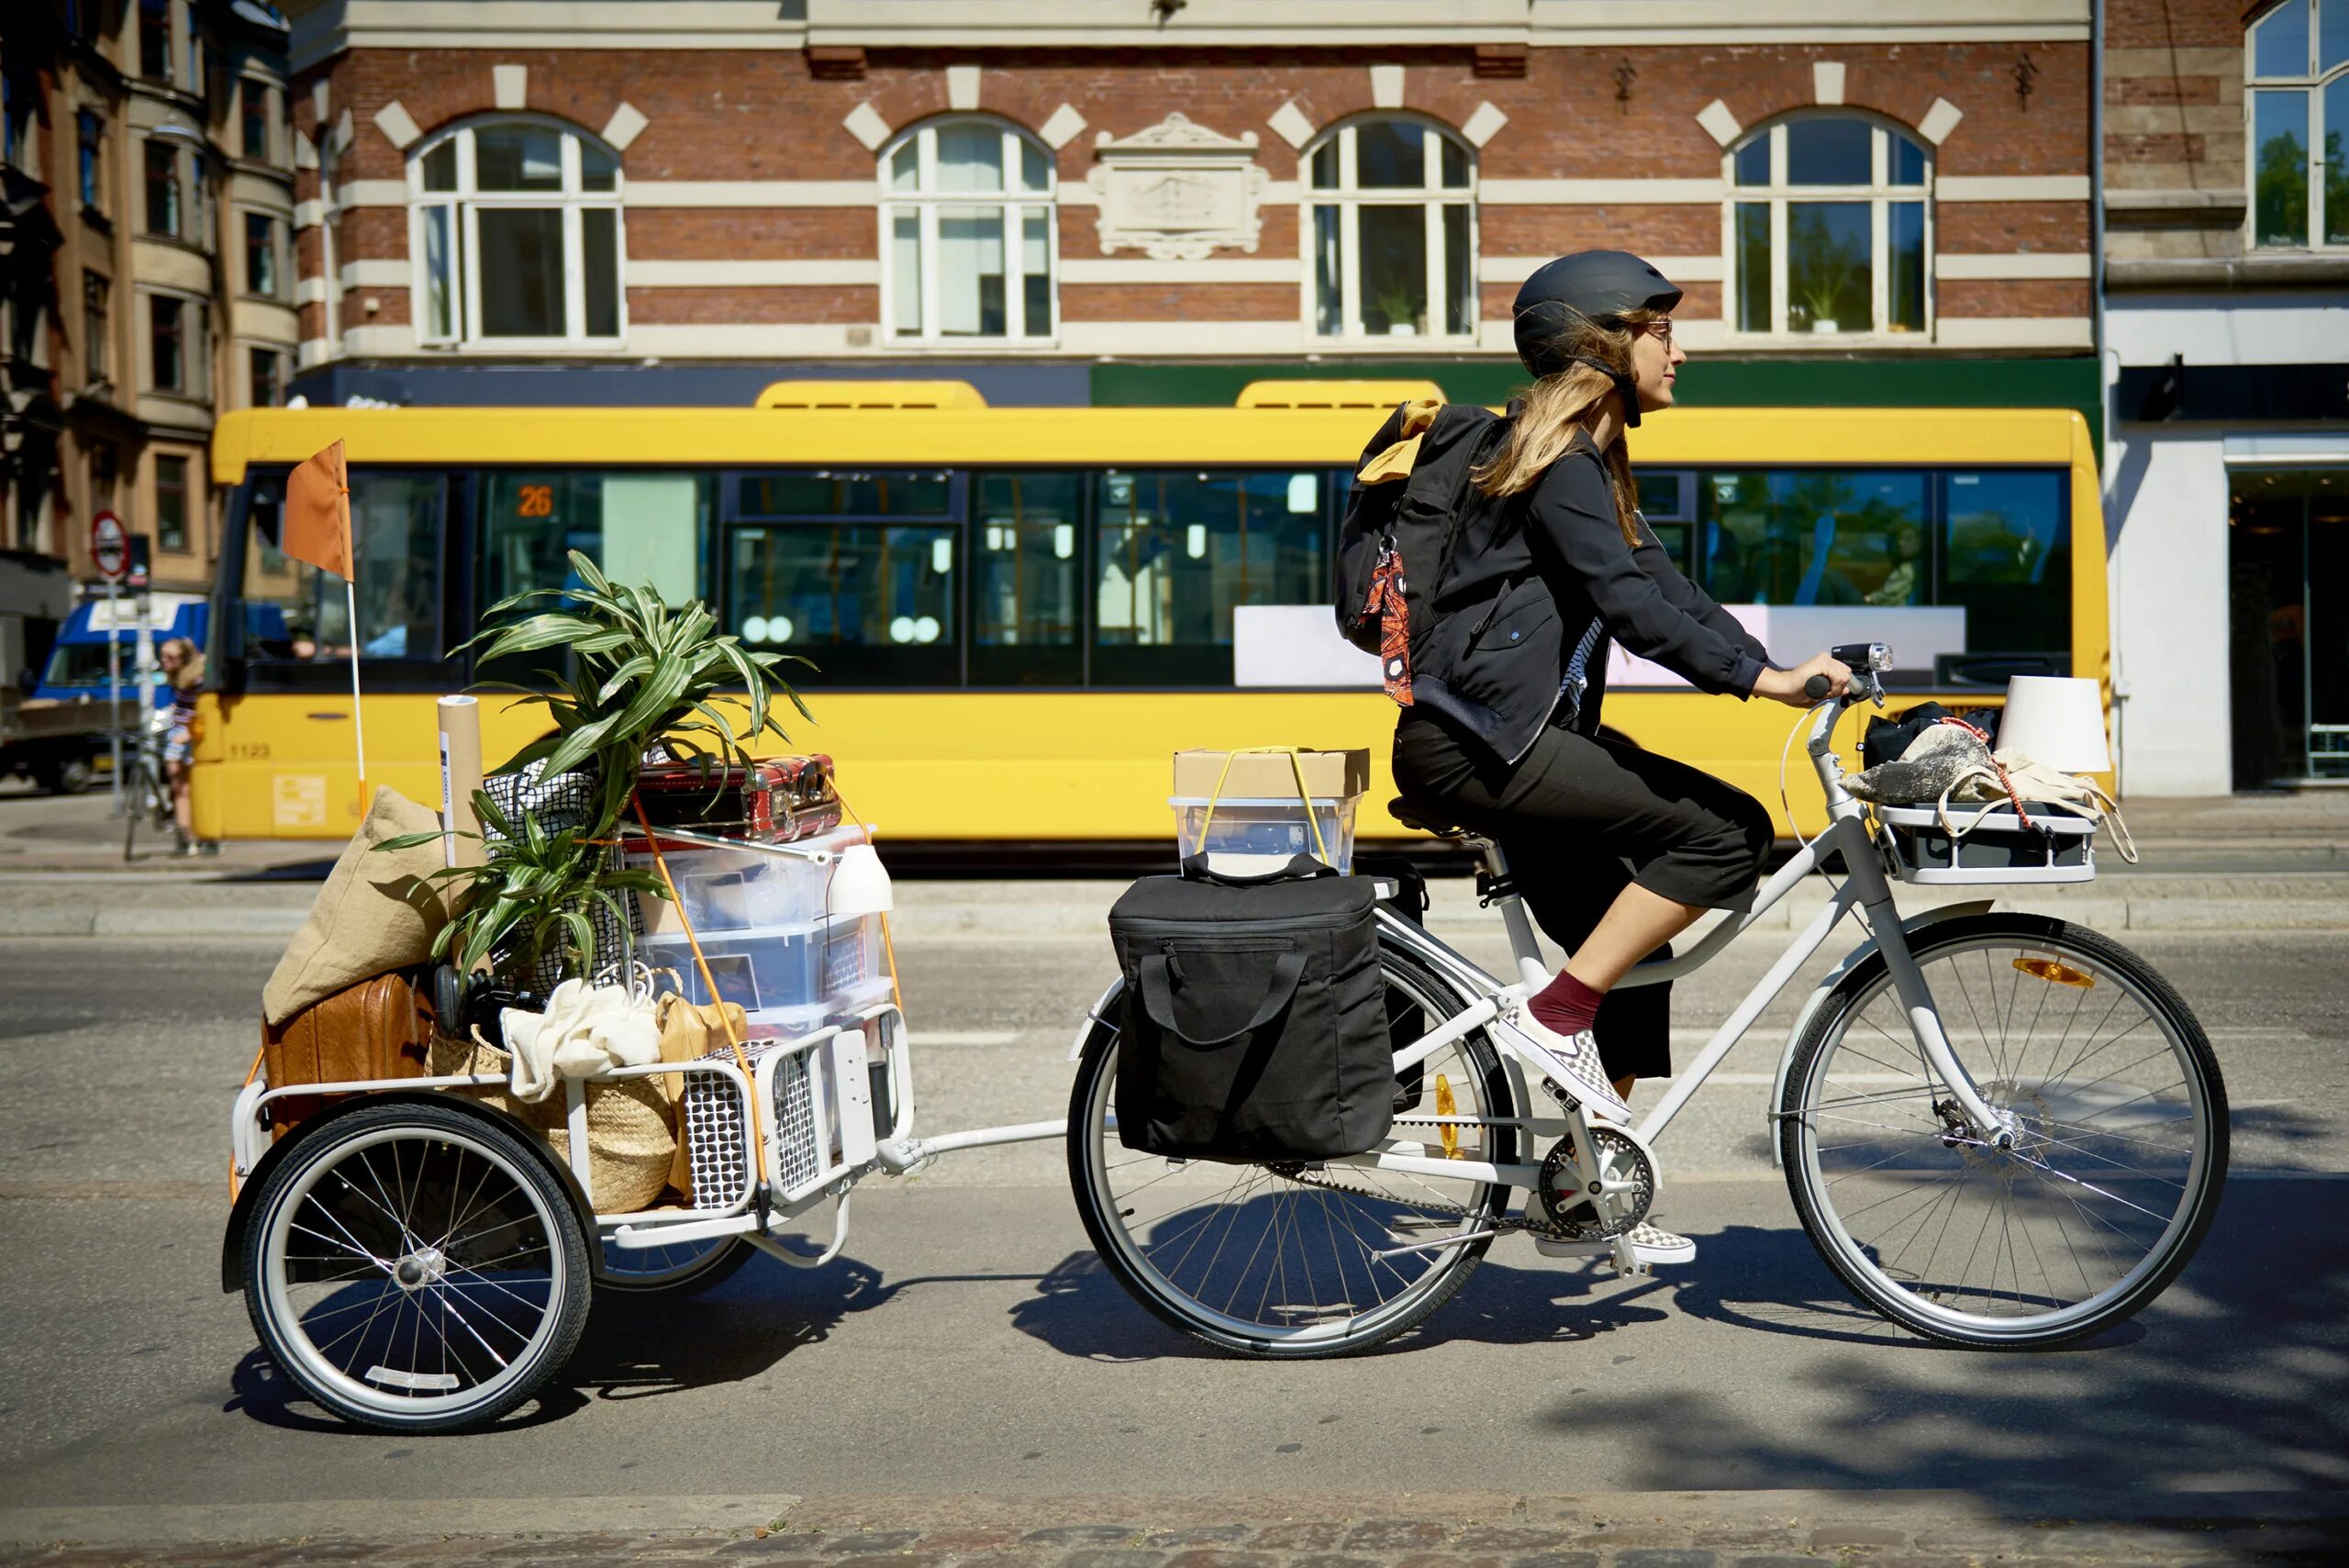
(1251, 837)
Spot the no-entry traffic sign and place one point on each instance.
(109, 546)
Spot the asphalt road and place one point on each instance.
(968, 1342)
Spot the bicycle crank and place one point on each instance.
(1616, 1199)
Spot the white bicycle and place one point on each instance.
(2000, 1129)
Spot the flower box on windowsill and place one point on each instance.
(1826, 326)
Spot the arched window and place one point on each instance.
(966, 220)
(1830, 228)
(2300, 123)
(1393, 219)
(515, 234)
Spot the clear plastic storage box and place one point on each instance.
(1249, 837)
(767, 968)
(745, 889)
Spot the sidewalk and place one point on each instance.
(2249, 862)
(1398, 1530)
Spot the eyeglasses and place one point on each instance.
(1661, 328)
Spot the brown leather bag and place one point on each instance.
(377, 1028)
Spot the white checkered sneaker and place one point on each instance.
(1655, 1246)
(1582, 1076)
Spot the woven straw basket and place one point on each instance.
(632, 1137)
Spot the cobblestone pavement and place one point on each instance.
(1477, 1531)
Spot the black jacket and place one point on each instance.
(1532, 578)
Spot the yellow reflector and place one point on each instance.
(2055, 973)
(1446, 1105)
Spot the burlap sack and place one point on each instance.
(375, 913)
(632, 1130)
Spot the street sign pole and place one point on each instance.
(114, 685)
(110, 553)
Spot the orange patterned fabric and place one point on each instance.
(1386, 602)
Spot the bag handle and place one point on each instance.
(1156, 972)
(1300, 868)
(1304, 796)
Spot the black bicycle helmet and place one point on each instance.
(1597, 284)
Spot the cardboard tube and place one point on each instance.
(460, 776)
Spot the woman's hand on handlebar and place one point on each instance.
(1814, 680)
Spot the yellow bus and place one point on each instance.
(1017, 613)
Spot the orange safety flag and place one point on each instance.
(317, 512)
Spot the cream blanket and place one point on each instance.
(586, 1030)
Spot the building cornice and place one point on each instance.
(323, 28)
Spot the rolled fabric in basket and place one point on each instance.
(585, 1030)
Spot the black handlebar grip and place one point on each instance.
(1816, 687)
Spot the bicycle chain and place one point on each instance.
(1546, 1229)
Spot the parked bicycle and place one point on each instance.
(1999, 1130)
(146, 793)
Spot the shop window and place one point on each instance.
(1026, 598)
(1829, 230)
(1176, 552)
(1393, 227)
(967, 212)
(2298, 61)
(516, 235)
(857, 571)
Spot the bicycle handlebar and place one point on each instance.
(1815, 688)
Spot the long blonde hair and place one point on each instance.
(1557, 405)
(190, 674)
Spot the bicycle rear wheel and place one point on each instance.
(2120, 1123)
(1285, 1260)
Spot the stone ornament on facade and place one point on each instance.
(1177, 191)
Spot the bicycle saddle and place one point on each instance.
(1435, 819)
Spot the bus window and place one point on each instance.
(642, 528)
(871, 604)
(1814, 536)
(1025, 603)
(395, 524)
(843, 494)
(1668, 503)
(1178, 550)
(2007, 557)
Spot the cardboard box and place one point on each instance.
(1265, 775)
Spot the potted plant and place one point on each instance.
(639, 674)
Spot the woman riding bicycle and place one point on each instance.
(1618, 849)
(182, 668)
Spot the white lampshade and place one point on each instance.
(2057, 720)
(860, 884)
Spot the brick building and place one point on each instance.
(2227, 338)
(147, 263)
(1083, 201)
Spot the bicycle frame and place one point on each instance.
(1865, 887)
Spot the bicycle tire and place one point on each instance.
(316, 1228)
(2058, 1157)
(1127, 1257)
(659, 1271)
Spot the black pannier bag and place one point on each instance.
(1254, 1023)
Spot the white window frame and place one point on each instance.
(926, 200)
(2313, 82)
(1350, 199)
(1879, 193)
(466, 203)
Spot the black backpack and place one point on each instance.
(1396, 537)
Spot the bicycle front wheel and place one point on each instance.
(2118, 1119)
(1302, 1261)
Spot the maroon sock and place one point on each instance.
(1565, 1005)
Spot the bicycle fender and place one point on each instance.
(232, 1240)
(1094, 1019)
(1826, 988)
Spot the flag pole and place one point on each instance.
(358, 720)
